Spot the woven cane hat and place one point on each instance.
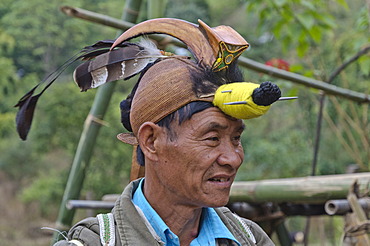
(169, 84)
(163, 89)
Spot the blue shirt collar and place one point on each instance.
(211, 227)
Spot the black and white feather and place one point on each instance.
(101, 65)
(117, 64)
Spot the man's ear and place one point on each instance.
(147, 136)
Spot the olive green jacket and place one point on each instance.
(131, 228)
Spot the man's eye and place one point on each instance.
(236, 139)
(213, 138)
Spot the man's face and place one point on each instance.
(198, 167)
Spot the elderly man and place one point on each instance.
(191, 148)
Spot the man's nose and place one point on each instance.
(230, 155)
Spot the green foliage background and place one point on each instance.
(315, 37)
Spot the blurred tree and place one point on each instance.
(307, 21)
(190, 10)
(289, 28)
(32, 45)
(46, 37)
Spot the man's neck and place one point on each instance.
(183, 220)
(185, 224)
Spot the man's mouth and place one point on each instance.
(219, 179)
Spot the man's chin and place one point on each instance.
(219, 201)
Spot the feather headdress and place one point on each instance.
(167, 82)
(101, 65)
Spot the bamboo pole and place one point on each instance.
(89, 135)
(96, 18)
(111, 22)
(302, 80)
(311, 189)
(342, 206)
(156, 8)
(243, 61)
(283, 234)
(304, 190)
(359, 215)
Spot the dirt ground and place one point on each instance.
(20, 224)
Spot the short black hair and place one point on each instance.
(182, 114)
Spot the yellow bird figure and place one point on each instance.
(245, 100)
